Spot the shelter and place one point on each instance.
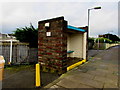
(60, 45)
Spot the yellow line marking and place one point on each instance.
(84, 60)
(75, 65)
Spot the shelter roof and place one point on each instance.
(69, 27)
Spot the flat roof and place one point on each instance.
(76, 29)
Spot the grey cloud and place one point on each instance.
(21, 14)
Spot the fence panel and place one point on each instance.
(20, 52)
(33, 55)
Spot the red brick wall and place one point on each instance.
(52, 50)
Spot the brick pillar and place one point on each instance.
(52, 50)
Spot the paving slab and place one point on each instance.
(71, 84)
(106, 80)
(79, 73)
(96, 73)
(86, 81)
(112, 76)
(104, 71)
(85, 75)
(55, 86)
(108, 85)
(101, 72)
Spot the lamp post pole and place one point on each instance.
(89, 17)
(88, 20)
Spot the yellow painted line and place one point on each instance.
(75, 65)
(38, 84)
(84, 60)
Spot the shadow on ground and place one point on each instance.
(24, 77)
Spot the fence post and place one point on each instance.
(98, 44)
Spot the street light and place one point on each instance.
(89, 16)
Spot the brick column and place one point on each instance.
(52, 50)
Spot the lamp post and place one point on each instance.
(89, 16)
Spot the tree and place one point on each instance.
(91, 39)
(103, 40)
(27, 34)
(90, 42)
(112, 37)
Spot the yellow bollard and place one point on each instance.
(9, 63)
(38, 83)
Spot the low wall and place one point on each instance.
(111, 45)
(102, 46)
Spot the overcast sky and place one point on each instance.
(20, 14)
